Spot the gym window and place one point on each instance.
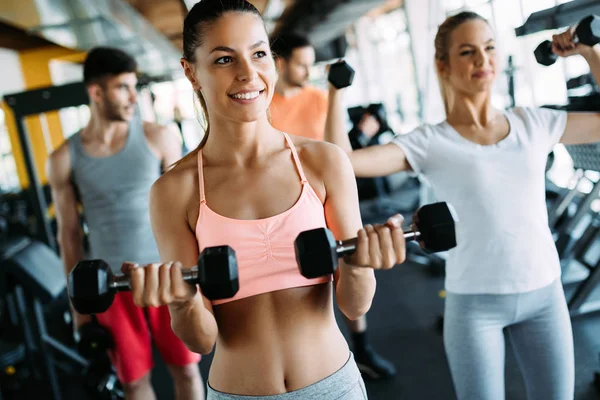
(9, 180)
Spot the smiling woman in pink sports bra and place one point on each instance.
(255, 189)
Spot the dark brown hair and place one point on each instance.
(200, 18)
(102, 62)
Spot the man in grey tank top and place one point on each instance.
(111, 164)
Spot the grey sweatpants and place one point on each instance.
(538, 327)
(344, 384)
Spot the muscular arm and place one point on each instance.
(354, 286)
(193, 322)
(69, 235)
(592, 56)
(583, 127)
(334, 123)
(165, 142)
(369, 162)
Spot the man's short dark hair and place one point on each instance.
(284, 44)
(102, 62)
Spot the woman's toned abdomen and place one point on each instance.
(277, 342)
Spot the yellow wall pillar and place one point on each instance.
(44, 132)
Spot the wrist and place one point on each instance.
(184, 307)
(591, 53)
(350, 268)
(335, 92)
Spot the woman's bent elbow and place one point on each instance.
(355, 312)
(201, 347)
(196, 342)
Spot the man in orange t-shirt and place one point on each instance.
(297, 108)
(300, 109)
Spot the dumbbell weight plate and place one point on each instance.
(341, 75)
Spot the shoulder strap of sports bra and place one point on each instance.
(296, 158)
(294, 155)
(201, 178)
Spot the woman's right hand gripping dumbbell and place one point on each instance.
(159, 284)
(380, 246)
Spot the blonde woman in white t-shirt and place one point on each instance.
(504, 275)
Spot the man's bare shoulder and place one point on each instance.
(182, 178)
(58, 164)
(60, 152)
(156, 132)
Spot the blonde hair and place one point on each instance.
(442, 47)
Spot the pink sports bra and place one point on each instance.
(264, 247)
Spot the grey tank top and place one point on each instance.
(115, 192)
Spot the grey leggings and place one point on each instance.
(344, 384)
(538, 326)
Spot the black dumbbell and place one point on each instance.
(92, 285)
(317, 251)
(587, 33)
(341, 75)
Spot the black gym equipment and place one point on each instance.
(317, 251)
(92, 285)
(510, 74)
(101, 382)
(574, 224)
(587, 33)
(341, 75)
(12, 373)
(93, 340)
(100, 379)
(14, 219)
(559, 16)
(33, 277)
(378, 111)
(579, 233)
(576, 227)
(581, 81)
(37, 102)
(582, 253)
(571, 211)
(375, 188)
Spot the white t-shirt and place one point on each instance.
(504, 244)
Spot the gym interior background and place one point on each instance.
(389, 43)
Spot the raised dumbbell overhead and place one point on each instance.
(544, 55)
(92, 285)
(341, 75)
(587, 33)
(317, 251)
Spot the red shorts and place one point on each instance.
(133, 329)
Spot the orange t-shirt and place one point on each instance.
(303, 114)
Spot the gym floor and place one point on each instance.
(402, 327)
